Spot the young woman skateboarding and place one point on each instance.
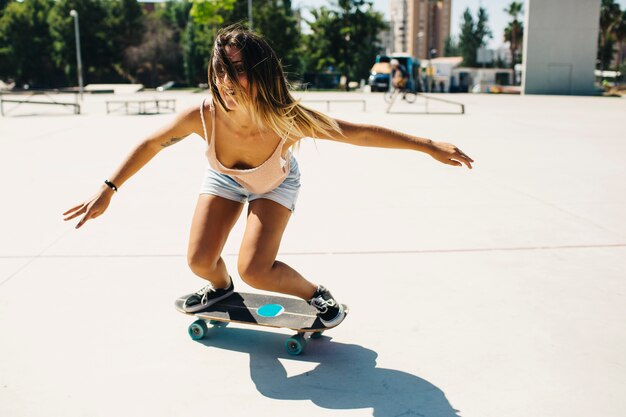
(250, 124)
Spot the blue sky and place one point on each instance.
(498, 19)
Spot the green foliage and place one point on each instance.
(276, 22)
(324, 38)
(610, 18)
(197, 45)
(467, 45)
(482, 32)
(125, 20)
(121, 42)
(451, 47)
(274, 19)
(619, 31)
(3, 5)
(514, 33)
(25, 45)
(474, 35)
(176, 14)
(344, 36)
(211, 12)
(95, 45)
(157, 56)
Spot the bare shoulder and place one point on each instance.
(190, 119)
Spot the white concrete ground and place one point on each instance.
(494, 292)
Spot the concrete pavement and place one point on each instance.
(494, 292)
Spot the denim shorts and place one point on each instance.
(222, 185)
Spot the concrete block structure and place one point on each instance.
(560, 43)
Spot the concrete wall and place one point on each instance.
(560, 42)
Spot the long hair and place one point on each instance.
(267, 98)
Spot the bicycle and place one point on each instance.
(407, 94)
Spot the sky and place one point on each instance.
(498, 19)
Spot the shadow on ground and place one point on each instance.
(346, 376)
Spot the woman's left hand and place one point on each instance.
(449, 154)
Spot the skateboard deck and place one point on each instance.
(260, 310)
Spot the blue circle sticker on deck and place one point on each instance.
(271, 310)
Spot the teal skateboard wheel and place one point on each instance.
(197, 329)
(316, 335)
(295, 345)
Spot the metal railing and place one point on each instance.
(144, 106)
(36, 97)
(426, 98)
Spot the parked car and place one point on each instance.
(380, 73)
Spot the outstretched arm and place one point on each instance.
(381, 137)
(181, 127)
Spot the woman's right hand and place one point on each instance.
(91, 208)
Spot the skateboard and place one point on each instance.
(260, 310)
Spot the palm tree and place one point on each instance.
(610, 15)
(619, 31)
(514, 33)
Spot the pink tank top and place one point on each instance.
(260, 180)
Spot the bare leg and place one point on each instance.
(257, 263)
(212, 222)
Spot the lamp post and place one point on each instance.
(432, 53)
(74, 14)
(422, 79)
(347, 59)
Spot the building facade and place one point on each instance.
(560, 59)
(420, 27)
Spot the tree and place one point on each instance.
(154, 59)
(205, 17)
(514, 33)
(619, 31)
(324, 37)
(25, 44)
(482, 32)
(274, 19)
(344, 36)
(466, 39)
(126, 23)
(473, 35)
(38, 46)
(98, 38)
(211, 12)
(451, 47)
(175, 16)
(197, 45)
(609, 16)
(3, 5)
(37, 39)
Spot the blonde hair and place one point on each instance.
(267, 98)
